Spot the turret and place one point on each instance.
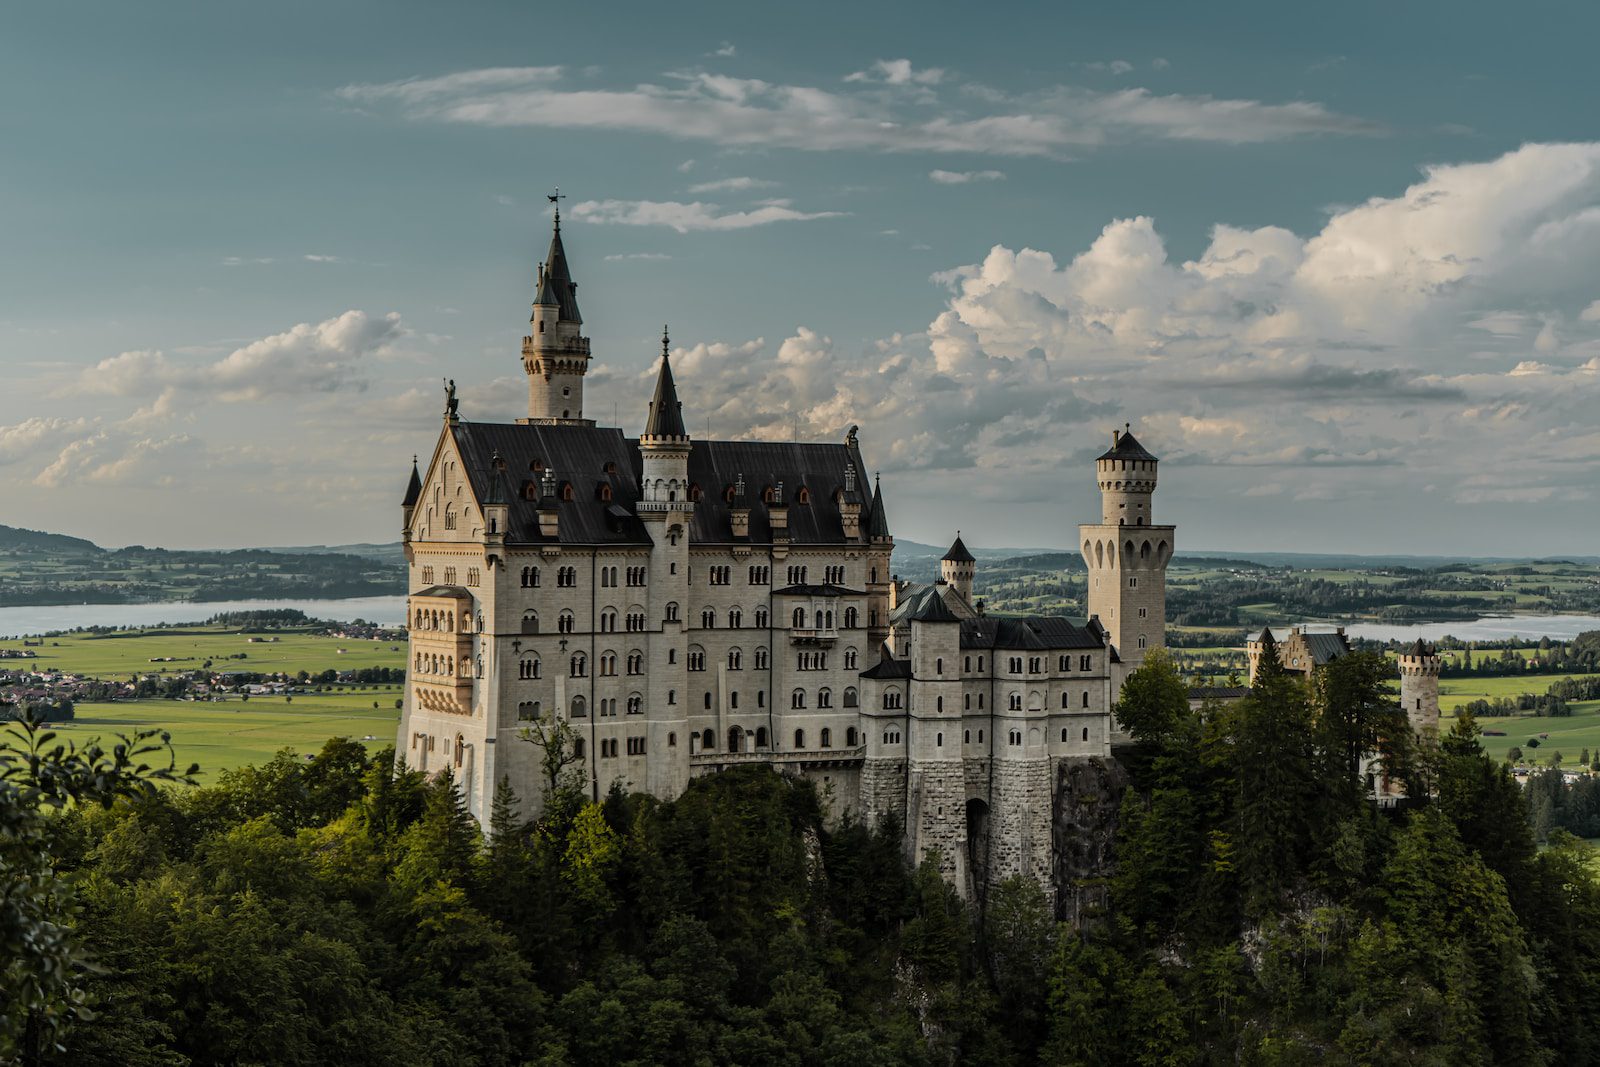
(549, 507)
(1127, 476)
(1419, 687)
(739, 509)
(957, 568)
(664, 445)
(555, 354)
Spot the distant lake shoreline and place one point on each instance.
(32, 620)
(391, 611)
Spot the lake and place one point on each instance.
(19, 622)
(1490, 628)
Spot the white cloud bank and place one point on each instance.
(890, 107)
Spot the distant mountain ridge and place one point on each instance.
(16, 539)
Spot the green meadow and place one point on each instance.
(1568, 734)
(132, 652)
(234, 732)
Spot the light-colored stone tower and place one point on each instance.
(555, 355)
(958, 567)
(937, 819)
(1419, 687)
(665, 508)
(1127, 553)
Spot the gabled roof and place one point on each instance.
(413, 487)
(1325, 647)
(818, 590)
(451, 592)
(958, 552)
(888, 667)
(1028, 633)
(1126, 446)
(666, 414)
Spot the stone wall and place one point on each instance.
(1085, 809)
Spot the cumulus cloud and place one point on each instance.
(687, 217)
(966, 177)
(306, 358)
(890, 107)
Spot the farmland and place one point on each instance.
(162, 651)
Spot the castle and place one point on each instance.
(689, 605)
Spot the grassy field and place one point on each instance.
(131, 652)
(1569, 734)
(235, 732)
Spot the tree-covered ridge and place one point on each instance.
(1262, 911)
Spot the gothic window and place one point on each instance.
(528, 710)
(708, 619)
(697, 659)
(938, 739)
(761, 659)
(635, 621)
(1064, 697)
(672, 655)
(1014, 737)
(1035, 664)
(1063, 735)
(635, 662)
(566, 491)
(427, 576)
(720, 574)
(1141, 641)
(1133, 583)
(735, 617)
(803, 496)
(635, 704)
(672, 696)
(472, 576)
(735, 659)
(850, 659)
(530, 668)
(580, 665)
(565, 623)
(672, 611)
(449, 516)
(797, 699)
(1015, 702)
(449, 576)
(851, 618)
(799, 618)
(636, 576)
(824, 698)
(891, 737)
(608, 664)
(761, 618)
(760, 575)
(608, 621)
(733, 700)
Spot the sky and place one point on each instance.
(1335, 264)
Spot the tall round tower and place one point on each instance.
(958, 568)
(1419, 687)
(1127, 554)
(555, 354)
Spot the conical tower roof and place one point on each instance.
(958, 552)
(413, 487)
(666, 414)
(1126, 446)
(878, 521)
(555, 279)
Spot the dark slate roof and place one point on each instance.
(888, 667)
(1219, 692)
(934, 609)
(455, 592)
(1127, 446)
(1045, 632)
(666, 414)
(817, 590)
(914, 600)
(558, 277)
(495, 492)
(1325, 647)
(958, 552)
(1421, 648)
(581, 455)
(413, 487)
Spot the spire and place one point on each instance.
(878, 521)
(413, 487)
(666, 414)
(555, 278)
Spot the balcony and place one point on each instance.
(811, 756)
(814, 635)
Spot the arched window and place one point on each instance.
(708, 619)
(672, 611)
(850, 696)
(761, 737)
(580, 707)
(708, 740)
(851, 617)
(850, 737)
(797, 699)
(799, 739)
(530, 622)
(824, 697)
(708, 702)
(938, 666)
(849, 659)
(580, 665)
(735, 739)
(1085, 698)
(1063, 735)
(1086, 733)
(565, 622)
(827, 737)
(799, 618)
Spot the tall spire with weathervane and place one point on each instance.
(555, 354)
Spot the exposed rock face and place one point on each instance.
(1087, 799)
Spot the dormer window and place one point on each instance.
(610, 467)
(727, 495)
(603, 492)
(769, 495)
(566, 491)
(536, 465)
(695, 493)
(803, 496)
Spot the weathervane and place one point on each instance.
(556, 198)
